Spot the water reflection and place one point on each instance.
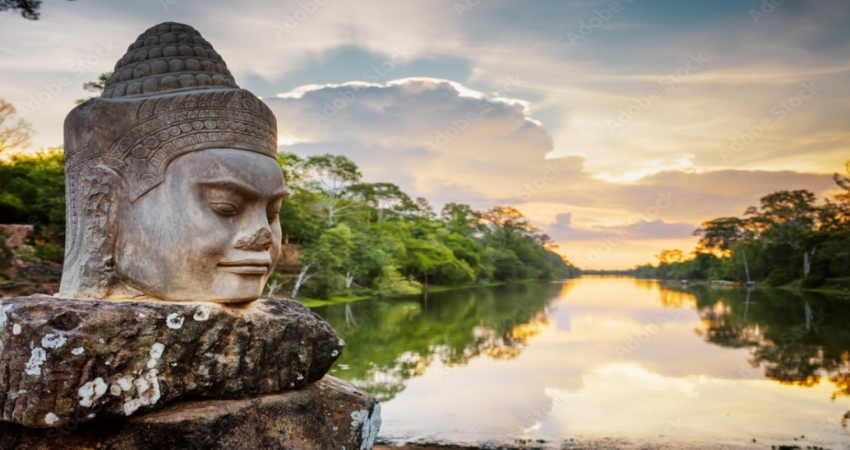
(600, 358)
(390, 341)
(798, 339)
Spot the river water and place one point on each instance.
(604, 362)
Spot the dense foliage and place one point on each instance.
(32, 188)
(789, 237)
(353, 235)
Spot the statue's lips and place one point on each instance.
(246, 266)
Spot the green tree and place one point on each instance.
(506, 223)
(460, 218)
(722, 234)
(835, 214)
(385, 198)
(96, 86)
(332, 177)
(32, 188)
(322, 262)
(785, 216)
(299, 212)
(428, 257)
(390, 283)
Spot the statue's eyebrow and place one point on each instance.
(241, 188)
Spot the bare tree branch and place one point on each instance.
(14, 132)
(29, 9)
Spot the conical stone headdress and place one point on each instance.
(169, 95)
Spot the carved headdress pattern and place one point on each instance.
(167, 58)
(170, 94)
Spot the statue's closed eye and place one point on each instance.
(226, 209)
(273, 215)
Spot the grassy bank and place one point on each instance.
(334, 300)
(838, 287)
(342, 299)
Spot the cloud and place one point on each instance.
(658, 229)
(349, 63)
(684, 196)
(562, 230)
(432, 133)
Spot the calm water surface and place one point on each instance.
(604, 362)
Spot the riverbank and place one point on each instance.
(425, 447)
(342, 299)
(616, 446)
(840, 288)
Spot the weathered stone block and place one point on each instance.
(70, 360)
(329, 414)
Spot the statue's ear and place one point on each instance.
(103, 197)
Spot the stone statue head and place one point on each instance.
(172, 181)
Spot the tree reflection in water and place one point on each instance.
(390, 341)
(799, 339)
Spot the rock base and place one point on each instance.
(329, 414)
(66, 360)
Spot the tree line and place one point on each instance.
(372, 237)
(790, 238)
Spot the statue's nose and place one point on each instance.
(259, 241)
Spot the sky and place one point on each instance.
(617, 127)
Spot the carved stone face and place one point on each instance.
(210, 232)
